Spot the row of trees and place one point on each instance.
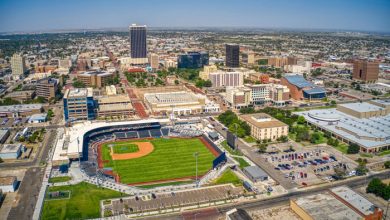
(234, 124)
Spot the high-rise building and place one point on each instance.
(18, 65)
(232, 56)
(226, 79)
(153, 61)
(193, 60)
(365, 70)
(138, 41)
(79, 104)
(47, 88)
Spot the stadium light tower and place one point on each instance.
(196, 154)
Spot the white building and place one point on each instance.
(225, 79)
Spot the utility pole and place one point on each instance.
(196, 154)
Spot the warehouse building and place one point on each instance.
(255, 174)
(4, 134)
(338, 204)
(16, 111)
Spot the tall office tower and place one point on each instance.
(193, 60)
(138, 41)
(232, 55)
(18, 65)
(365, 70)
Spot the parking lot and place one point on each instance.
(309, 165)
(173, 199)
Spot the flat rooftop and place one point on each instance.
(326, 206)
(361, 107)
(78, 92)
(255, 171)
(367, 132)
(114, 99)
(20, 108)
(115, 107)
(7, 180)
(262, 120)
(385, 102)
(171, 97)
(10, 148)
(354, 199)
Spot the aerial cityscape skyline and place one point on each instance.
(44, 15)
(201, 110)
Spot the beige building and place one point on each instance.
(248, 58)
(362, 110)
(238, 97)
(206, 71)
(181, 103)
(21, 96)
(96, 79)
(47, 88)
(18, 65)
(264, 127)
(153, 60)
(111, 90)
(115, 106)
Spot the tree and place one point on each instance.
(387, 164)
(377, 187)
(262, 148)
(301, 120)
(283, 138)
(78, 84)
(353, 149)
(177, 82)
(1, 160)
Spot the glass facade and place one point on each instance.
(138, 42)
(232, 55)
(193, 60)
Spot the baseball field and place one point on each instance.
(151, 161)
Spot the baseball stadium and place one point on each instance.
(146, 152)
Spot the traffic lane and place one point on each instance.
(258, 160)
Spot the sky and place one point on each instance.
(46, 15)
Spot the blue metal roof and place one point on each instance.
(298, 81)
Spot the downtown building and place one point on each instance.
(138, 47)
(193, 60)
(47, 88)
(232, 59)
(79, 104)
(18, 65)
(365, 70)
(221, 79)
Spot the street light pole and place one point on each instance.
(196, 154)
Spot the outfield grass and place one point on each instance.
(59, 179)
(171, 158)
(125, 148)
(82, 204)
(228, 177)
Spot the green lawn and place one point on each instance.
(171, 158)
(125, 148)
(242, 162)
(82, 204)
(383, 153)
(229, 149)
(59, 179)
(228, 177)
(342, 147)
(249, 139)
